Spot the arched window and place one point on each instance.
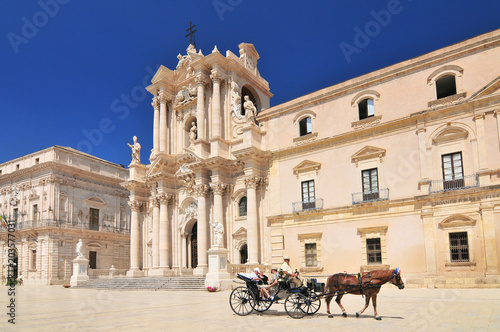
(446, 86)
(305, 126)
(242, 205)
(366, 108)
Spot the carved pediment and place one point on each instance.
(306, 166)
(450, 134)
(457, 221)
(162, 73)
(240, 233)
(492, 88)
(368, 152)
(96, 200)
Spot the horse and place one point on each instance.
(366, 283)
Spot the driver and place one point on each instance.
(287, 269)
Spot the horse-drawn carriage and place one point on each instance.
(298, 301)
(302, 301)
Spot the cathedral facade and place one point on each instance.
(396, 168)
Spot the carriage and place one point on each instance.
(298, 301)
(302, 301)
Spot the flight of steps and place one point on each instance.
(188, 283)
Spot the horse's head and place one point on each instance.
(396, 279)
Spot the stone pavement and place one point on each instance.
(54, 308)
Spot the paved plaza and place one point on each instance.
(54, 308)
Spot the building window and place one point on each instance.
(366, 108)
(446, 86)
(311, 255)
(33, 259)
(35, 212)
(15, 214)
(373, 251)
(94, 219)
(370, 184)
(459, 247)
(305, 126)
(453, 174)
(308, 195)
(242, 206)
(93, 259)
(37, 161)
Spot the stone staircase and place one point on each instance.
(188, 283)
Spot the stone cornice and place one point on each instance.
(405, 68)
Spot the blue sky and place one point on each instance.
(72, 72)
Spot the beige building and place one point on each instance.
(396, 168)
(58, 196)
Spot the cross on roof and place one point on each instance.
(191, 34)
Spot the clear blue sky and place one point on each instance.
(66, 69)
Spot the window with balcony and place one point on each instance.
(94, 219)
(33, 259)
(35, 212)
(366, 108)
(459, 247)
(370, 184)
(308, 195)
(373, 251)
(453, 175)
(305, 126)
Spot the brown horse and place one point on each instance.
(366, 283)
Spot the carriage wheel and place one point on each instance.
(240, 301)
(313, 303)
(261, 305)
(295, 305)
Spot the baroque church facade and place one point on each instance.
(56, 197)
(396, 168)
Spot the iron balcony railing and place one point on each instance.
(370, 196)
(308, 205)
(19, 225)
(468, 181)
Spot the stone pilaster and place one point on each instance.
(201, 191)
(489, 239)
(156, 125)
(251, 183)
(216, 116)
(162, 98)
(164, 230)
(155, 203)
(200, 106)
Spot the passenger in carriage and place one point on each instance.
(259, 277)
(271, 288)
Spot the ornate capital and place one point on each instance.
(216, 76)
(201, 190)
(200, 80)
(252, 181)
(135, 206)
(218, 187)
(155, 103)
(162, 97)
(153, 201)
(163, 198)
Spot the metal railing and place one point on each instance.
(468, 181)
(371, 196)
(309, 205)
(25, 224)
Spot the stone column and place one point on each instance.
(201, 191)
(156, 125)
(156, 232)
(183, 250)
(218, 189)
(163, 121)
(251, 183)
(135, 236)
(200, 107)
(489, 239)
(216, 78)
(429, 241)
(189, 253)
(164, 230)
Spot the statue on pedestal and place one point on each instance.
(79, 249)
(219, 232)
(136, 151)
(250, 110)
